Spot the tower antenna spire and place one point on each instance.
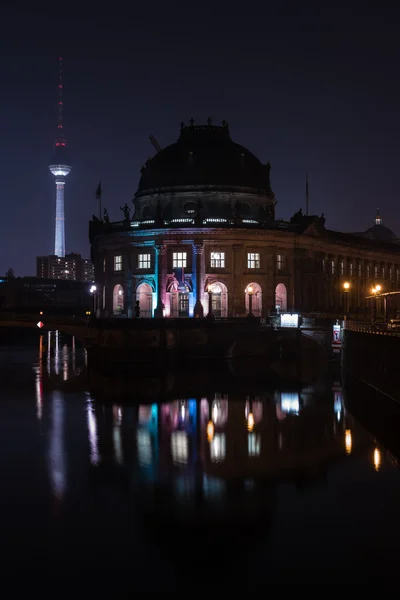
(307, 194)
(60, 168)
(60, 99)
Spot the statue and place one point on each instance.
(182, 124)
(106, 217)
(126, 210)
(95, 219)
(224, 123)
(209, 121)
(191, 121)
(297, 216)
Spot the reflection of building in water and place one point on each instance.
(254, 436)
(57, 457)
(223, 454)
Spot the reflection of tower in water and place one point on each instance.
(39, 382)
(57, 459)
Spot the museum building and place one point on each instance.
(202, 237)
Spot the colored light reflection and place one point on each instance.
(210, 431)
(250, 422)
(348, 441)
(377, 459)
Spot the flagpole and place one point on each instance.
(307, 194)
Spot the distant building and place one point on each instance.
(27, 293)
(71, 267)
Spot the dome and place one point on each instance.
(204, 157)
(381, 233)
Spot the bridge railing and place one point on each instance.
(372, 328)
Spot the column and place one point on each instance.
(198, 311)
(128, 291)
(161, 271)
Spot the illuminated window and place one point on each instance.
(144, 261)
(179, 259)
(117, 263)
(323, 266)
(341, 267)
(397, 274)
(390, 273)
(351, 269)
(333, 267)
(375, 271)
(279, 262)
(253, 260)
(360, 270)
(383, 271)
(104, 264)
(368, 270)
(218, 260)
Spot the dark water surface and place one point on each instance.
(214, 490)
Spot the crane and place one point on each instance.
(155, 143)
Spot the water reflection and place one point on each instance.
(225, 463)
(57, 454)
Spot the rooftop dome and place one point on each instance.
(204, 157)
(380, 232)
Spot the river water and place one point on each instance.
(226, 488)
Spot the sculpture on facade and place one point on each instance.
(126, 210)
(297, 217)
(105, 216)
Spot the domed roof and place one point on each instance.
(204, 156)
(380, 232)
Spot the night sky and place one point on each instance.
(316, 90)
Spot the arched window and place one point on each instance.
(219, 299)
(118, 299)
(253, 290)
(144, 294)
(281, 298)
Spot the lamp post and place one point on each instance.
(375, 291)
(250, 295)
(93, 289)
(346, 289)
(210, 313)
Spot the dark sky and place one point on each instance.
(316, 90)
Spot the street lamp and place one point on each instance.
(210, 291)
(93, 289)
(250, 295)
(376, 290)
(346, 289)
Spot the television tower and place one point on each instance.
(60, 168)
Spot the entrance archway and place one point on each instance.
(281, 298)
(144, 294)
(118, 299)
(219, 299)
(256, 304)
